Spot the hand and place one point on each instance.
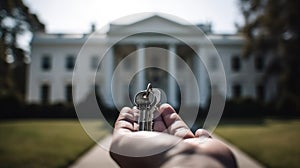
(171, 144)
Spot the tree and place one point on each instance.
(272, 29)
(15, 21)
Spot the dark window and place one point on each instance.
(69, 93)
(45, 93)
(235, 63)
(70, 62)
(259, 63)
(46, 63)
(260, 92)
(237, 90)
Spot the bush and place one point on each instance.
(13, 108)
(286, 107)
(237, 109)
(244, 108)
(10, 105)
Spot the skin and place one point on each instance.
(171, 144)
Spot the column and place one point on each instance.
(172, 92)
(57, 90)
(109, 69)
(197, 68)
(141, 85)
(202, 77)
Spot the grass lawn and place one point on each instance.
(43, 143)
(274, 143)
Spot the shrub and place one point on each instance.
(244, 108)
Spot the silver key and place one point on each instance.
(146, 102)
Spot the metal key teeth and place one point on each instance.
(146, 102)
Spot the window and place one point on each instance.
(260, 92)
(68, 93)
(235, 63)
(46, 63)
(259, 63)
(236, 90)
(70, 62)
(213, 63)
(45, 93)
(94, 62)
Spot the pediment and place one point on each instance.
(153, 24)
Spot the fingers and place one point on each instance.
(166, 120)
(125, 121)
(202, 132)
(159, 124)
(174, 123)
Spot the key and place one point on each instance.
(153, 108)
(146, 102)
(143, 103)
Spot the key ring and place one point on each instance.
(148, 90)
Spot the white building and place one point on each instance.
(54, 55)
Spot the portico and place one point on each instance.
(166, 72)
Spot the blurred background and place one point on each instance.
(257, 41)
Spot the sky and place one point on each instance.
(76, 16)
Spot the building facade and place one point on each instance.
(125, 49)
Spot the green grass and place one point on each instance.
(44, 143)
(274, 143)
